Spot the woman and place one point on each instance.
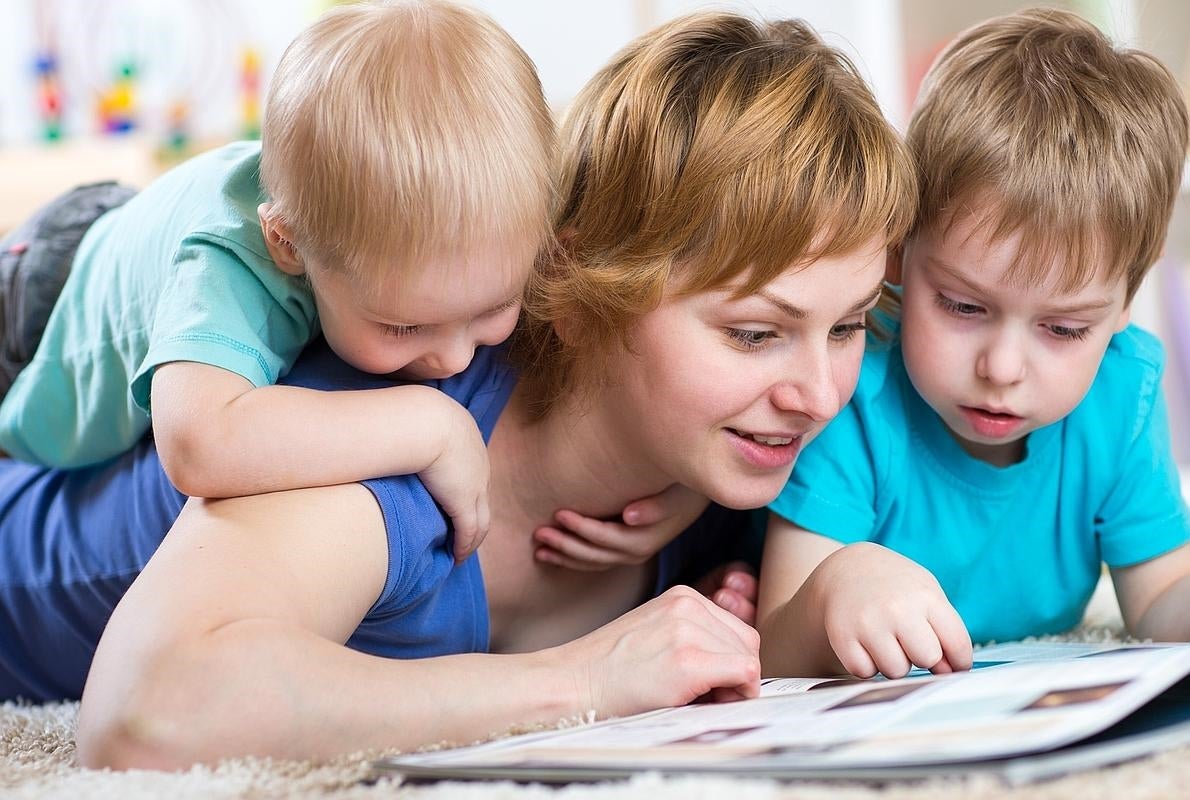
(729, 190)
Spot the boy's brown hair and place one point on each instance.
(713, 148)
(399, 131)
(1074, 144)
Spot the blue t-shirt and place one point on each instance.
(71, 542)
(1017, 549)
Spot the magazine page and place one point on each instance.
(1016, 708)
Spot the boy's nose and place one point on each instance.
(1002, 362)
(451, 357)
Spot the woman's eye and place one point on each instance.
(400, 330)
(749, 338)
(847, 331)
(956, 307)
(1066, 332)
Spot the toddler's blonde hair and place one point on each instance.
(400, 131)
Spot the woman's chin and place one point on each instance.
(749, 492)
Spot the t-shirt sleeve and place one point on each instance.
(252, 320)
(832, 489)
(1144, 514)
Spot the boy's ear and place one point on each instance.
(892, 266)
(278, 241)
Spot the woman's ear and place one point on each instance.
(279, 242)
(892, 266)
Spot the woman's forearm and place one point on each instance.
(263, 687)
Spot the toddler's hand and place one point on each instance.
(587, 544)
(732, 587)
(459, 477)
(883, 612)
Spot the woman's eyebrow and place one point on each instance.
(790, 310)
(872, 297)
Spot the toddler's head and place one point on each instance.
(1049, 163)
(407, 153)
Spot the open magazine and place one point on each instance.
(1024, 712)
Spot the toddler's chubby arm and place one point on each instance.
(1155, 596)
(219, 436)
(645, 526)
(861, 607)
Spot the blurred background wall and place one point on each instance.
(92, 89)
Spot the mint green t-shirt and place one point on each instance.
(1017, 549)
(179, 273)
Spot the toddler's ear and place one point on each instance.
(892, 266)
(278, 241)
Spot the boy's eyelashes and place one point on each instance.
(406, 330)
(1067, 332)
(961, 309)
(956, 306)
(399, 330)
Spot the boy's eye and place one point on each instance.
(400, 330)
(505, 306)
(957, 307)
(845, 332)
(1066, 332)
(749, 338)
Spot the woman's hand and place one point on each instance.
(885, 613)
(672, 650)
(645, 526)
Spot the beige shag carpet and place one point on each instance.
(37, 761)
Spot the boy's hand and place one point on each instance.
(733, 588)
(458, 478)
(883, 612)
(587, 544)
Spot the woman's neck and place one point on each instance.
(575, 458)
(571, 459)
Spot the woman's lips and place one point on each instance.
(767, 451)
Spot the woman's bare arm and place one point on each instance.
(230, 643)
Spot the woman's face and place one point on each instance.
(721, 394)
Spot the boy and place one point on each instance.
(1014, 437)
(396, 203)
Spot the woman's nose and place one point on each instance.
(812, 390)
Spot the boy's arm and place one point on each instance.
(219, 436)
(1155, 596)
(861, 608)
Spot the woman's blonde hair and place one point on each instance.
(405, 130)
(711, 149)
(1039, 122)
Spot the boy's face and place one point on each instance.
(997, 361)
(425, 325)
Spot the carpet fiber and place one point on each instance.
(37, 761)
